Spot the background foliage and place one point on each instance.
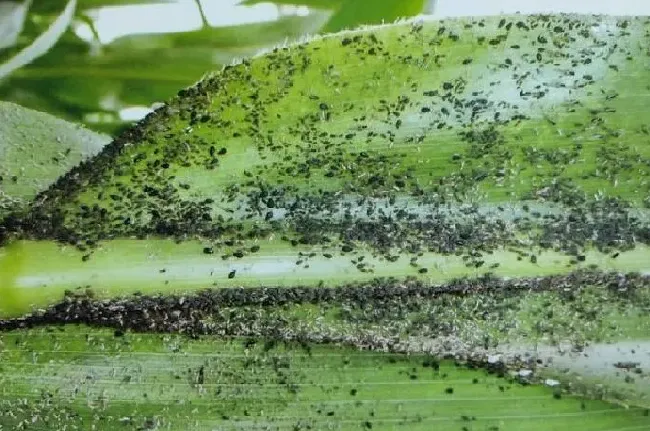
(84, 80)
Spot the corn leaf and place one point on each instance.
(55, 378)
(35, 149)
(503, 145)
(460, 187)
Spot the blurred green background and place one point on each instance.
(105, 63)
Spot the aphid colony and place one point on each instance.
(200, 313)
(396, 144)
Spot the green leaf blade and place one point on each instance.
(476, 143)
(36, 149)
(231, 387)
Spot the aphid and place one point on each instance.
(201, 379)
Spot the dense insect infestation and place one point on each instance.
(444, 189)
